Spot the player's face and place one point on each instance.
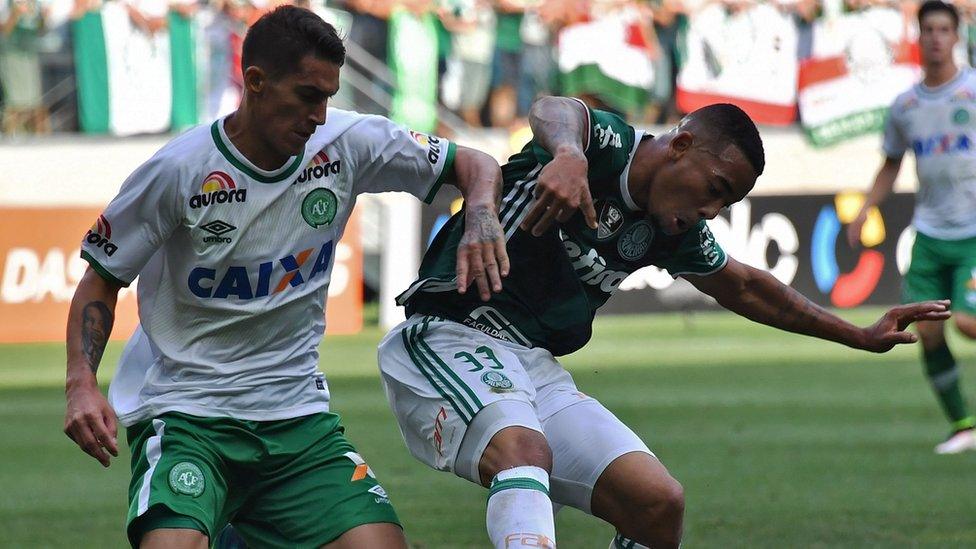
(697, 182)
(937, 37)
(293, 105)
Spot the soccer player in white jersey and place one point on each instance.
(477, 388)
(935, 119)
(232, 230)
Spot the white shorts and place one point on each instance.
(452, 388)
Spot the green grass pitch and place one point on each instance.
(779, 441)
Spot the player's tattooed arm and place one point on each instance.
(88, 419)
(96, 325)
(481, 254)
(559, 125)
(759, 296)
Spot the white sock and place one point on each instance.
(620, 542)
(519, 509)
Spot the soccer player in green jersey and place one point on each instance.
(476, 387)
(232, 230)
(936, 119)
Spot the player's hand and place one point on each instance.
(91, 423)
(481, 254)
(890, 330)
(561, 190)
(854, 231)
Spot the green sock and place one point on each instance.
(943, 374)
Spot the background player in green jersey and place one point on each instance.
(476, 387)
(227, 415)
(936, 119)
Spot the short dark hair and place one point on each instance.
(726, 123)
(935, 6)
(279, 40)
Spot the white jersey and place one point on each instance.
(234, 263)
(939, 126)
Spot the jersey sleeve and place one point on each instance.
(894, 144)
(698, 253)
(608, 144)
(395, 159)
(135, 223)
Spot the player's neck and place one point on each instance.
(938, 74)
(239, 128)
(647, 159)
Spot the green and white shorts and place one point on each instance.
(289, 483)
(452, 388)
(943, 269)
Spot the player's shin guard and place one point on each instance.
(941, 369)
(620, 542)
(519, 509)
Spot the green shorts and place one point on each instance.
(943, 269)
(290, 483)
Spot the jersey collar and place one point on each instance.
(239, 161)
(624, 189)
(926, 91)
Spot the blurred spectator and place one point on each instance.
(149, 16)
(466, 82)
(57, 66)
(805, 13)
(535, 71)
(21, 25)
(370, 31)
(669, 22)
(413, 60)
(222, 24)
(507, 62)
(182, 47)
(619, 74)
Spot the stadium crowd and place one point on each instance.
(493, 57)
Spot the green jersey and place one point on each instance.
(559, 279)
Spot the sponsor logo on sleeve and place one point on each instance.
(217, 188)
(433, 144)
(707, 243)
(319, 167)
(606, 137)
(100, 235)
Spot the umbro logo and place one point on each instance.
(218, 228)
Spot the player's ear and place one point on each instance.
(255, 79)
(680, 144)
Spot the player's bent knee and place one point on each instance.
(179, 538)
(641, 499)
(383, 535)
(656, 522)
(966, 324)
(514, 447)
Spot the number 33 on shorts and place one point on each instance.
(438, 375)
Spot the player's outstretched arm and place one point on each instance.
(884, 182)
(481, 255)
(88, 419)
(758, 296)
(559, 125)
